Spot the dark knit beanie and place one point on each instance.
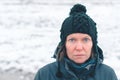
(78, 22)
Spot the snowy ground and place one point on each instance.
(29, 34)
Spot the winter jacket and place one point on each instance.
(48, 72)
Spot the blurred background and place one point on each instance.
(29, 33)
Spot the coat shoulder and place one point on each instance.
(105, 72)
(49, 66)
(46, 72)
(105, 68)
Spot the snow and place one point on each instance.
(29, 34)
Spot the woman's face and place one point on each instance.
(79, 47)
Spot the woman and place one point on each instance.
(78, 57)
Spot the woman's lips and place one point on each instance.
(80, 55)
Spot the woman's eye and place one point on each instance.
(86, 39)
(71, 40)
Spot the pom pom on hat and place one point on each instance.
(77, 9)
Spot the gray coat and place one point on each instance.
(48, 72)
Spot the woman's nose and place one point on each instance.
(79, 46)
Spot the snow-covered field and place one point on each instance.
(29, 33)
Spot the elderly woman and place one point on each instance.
(78, 57)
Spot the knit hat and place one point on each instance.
(78, 22)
